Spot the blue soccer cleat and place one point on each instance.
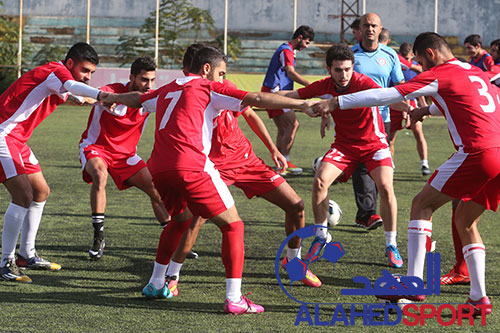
(150, 291)
(393, 256)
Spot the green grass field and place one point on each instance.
(105, 295)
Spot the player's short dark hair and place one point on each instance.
(189, 54)
(384, 36)
(338, 51)
(405, 49)
(206, 55)
(496, 43)
(430, 40)
(474, 40)
(306, 32)
(356, 24)
(145, 63)
(82, 52)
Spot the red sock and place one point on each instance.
(169, 240)
(460, 266)
(233, 249)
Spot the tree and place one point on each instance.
(177, 18)
(9, 37)
(49, 52)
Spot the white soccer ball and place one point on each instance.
(316, 163)
(334, 213)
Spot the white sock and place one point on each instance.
(13, 221)
(174, 268)
(233, 290)
(475, 257)
(390, 237)
(292, 253)
(322, 232)
(419, 234)
(30, 229)
(425, 163)
(158, 276)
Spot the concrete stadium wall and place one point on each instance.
(403, 17)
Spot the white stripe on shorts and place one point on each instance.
(447, 169)
(222, 188)
(6, 159)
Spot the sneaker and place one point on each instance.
(150, 291)
(316, 246)
(482, 301)
(392, 254)
(192, 255)
(36, 262)
(310, 280)
(374, 222)
(171, 282)
(243, 306)
(293, 169)
(454, 278)
(10, 272)
(426, 171)
(97, 249)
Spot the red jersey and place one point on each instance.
(117, 131)
(31, 98)
(185, 113)
(360, 127)
(230, 147)
(466, 98)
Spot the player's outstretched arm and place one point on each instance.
(130, 99)
(259, 128)
(274, 101)
(289, 93)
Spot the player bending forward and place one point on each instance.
(24, 105)
(463, 94)
(359, 138)
(182, 172)
(237, 163)
(109, 145)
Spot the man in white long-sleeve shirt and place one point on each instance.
(23, 106)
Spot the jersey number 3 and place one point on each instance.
(174, 95)
(483, 91)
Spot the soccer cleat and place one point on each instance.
(310, 280)
(426, 171)
(293, 169)
(392, 254)
(10, 272)
(482, 301)
(454, 278)
(36, 262)
(243, 306)
(97, 249)
(171, 282)
(150, 291)
(192, 255)
(316, 246)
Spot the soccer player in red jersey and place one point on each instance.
(109, 146)
(24, 105)
(185, 177)
(359, 138)
(233, 156)
(471, 105)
